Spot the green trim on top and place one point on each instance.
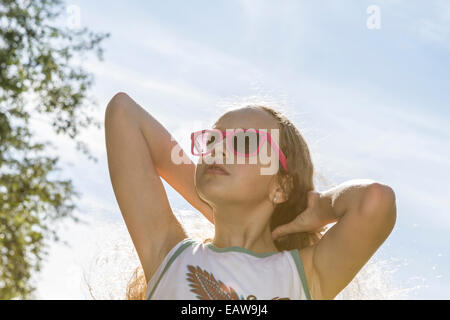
(187, 243)
(240, 249)
(298, 262)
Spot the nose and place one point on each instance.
(221, 149)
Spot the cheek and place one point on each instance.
(249, 180)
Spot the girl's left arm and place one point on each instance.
(365, 212)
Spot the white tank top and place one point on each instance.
(193, 270)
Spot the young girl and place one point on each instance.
(267, 242)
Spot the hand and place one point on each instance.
(309, 220)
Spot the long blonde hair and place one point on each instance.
(296, 183)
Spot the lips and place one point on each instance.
(216, 168)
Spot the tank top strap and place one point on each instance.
(301, 272)
(171, 256)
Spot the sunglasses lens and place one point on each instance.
(246, 142)
(205, 141)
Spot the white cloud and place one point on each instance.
(135, 78)
(186, 56)
(437, 31)
(431, 23)
(257, 11)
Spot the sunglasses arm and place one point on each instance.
(280, 153)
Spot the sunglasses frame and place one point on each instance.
(264, 135)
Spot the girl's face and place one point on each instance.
(244, 184)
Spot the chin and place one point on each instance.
(209, 191)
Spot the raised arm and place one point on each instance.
(138, 147)
(365, 212)
(179, 176)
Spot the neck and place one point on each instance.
(238, 225)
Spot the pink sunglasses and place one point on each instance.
(202, 142)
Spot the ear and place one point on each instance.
(281, 189)
(279, 196)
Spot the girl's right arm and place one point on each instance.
(138, 150)
(179, 176)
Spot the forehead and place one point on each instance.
(246, 117)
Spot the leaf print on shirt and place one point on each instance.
(206, 287)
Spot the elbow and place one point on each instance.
(379, 205)
(117, 105)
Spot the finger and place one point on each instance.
(312, 198)
(283, 230)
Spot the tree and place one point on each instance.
(37, 76)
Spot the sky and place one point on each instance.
(371, 103)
